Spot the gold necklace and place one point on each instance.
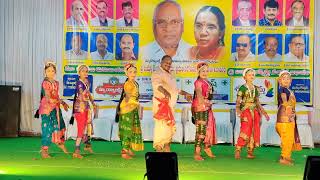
(198, 56)
(85, 84)
(254, 91)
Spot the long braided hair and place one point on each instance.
(123, 94)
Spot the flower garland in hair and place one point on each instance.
(80, 67)
(201, 65)
(246, 70)
(128, 66)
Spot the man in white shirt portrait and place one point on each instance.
(76, 52)
(297, 19)
(297, 47)
(76, 18)
(270, 54)
(127, 20)
(127, 45)
(243, 49)
(244, 10)
(101, 53)
(101, 16)
(168, 26)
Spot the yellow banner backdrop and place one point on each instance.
(267, 35)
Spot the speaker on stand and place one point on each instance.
(311, 170)
(161, 165)
(10, 101)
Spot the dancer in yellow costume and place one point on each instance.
(286, 119)
(129, 121)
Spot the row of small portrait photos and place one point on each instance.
(296, 47)
(102, 46)
(244, 13)
(271, 13)
(270, 47)
(102, 13)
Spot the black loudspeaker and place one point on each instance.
(10, 100)
(162, 165)
(312, 168)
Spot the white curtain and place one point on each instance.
(30, 32)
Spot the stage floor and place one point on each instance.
(20, 159)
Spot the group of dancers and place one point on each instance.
(248, 109)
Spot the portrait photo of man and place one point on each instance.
(270, 47)
(77, 13)
(101, 46)
(271, 9)
(244, 12)
(127, 48)
(76, 45)
(242, 46)
(168, 26)
(100, 16)
(127, 15)
(297, 48)
(297, 9)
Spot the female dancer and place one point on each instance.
(286, 119)
(82, 111)
(128, 117)
(202, 113)
(249, 109)
(52, 123)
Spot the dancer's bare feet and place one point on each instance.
(250, 155)
(45, 154)
(198, 157)
(131, 153)
(125, 155)
(63, 148)
(285, 162)
(77, 154)
(158, 148)
(88, 148)
(197, 154)
(237, 154)
(167, 148)
(209, 153)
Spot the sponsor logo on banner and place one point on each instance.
(112, 88)
(269, 88)
(265, 86)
